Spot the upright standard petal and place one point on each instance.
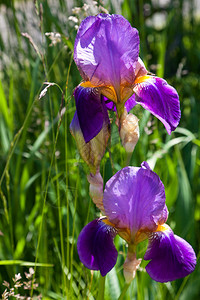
(134, 198)
(140, 68)
(95, 246)
(91, 111)
(171, 256)
(106, 52)
(161, 99)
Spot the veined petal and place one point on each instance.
(171, 256)
(134, 198)
(93, 151)
(91, 111)
(161, 99)
(95, 246)
(106, 51)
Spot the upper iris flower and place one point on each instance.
(106, 52)
(134, 203)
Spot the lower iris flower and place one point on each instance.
(135, 209)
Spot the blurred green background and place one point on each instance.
(44, 199)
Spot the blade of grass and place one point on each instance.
(23, 263)
(177, 297)
(4, 109)
(66, 167)
(73, 231)
(44, 201)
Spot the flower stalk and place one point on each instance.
(123, 293)
(101, 287)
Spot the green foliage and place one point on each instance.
(44, 198)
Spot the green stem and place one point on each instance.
(126, 286)
(101, 287)
(120, 109)
(66, 166)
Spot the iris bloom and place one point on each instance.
(106, 52)
(134, 203)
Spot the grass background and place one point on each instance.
(44, 200)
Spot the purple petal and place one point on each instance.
(171, 256)
(110, 105)
(75, 126)
(95, 246)
(91, 111)
(106, 50)
(161, 99)
(134, 198)
(129, 104)
(140, 68)
(164, 216)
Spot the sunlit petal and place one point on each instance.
(140, 68)
(106, 52)
(134, 198)
(160, 98)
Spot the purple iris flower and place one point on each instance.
(106, 52)
(134, 203)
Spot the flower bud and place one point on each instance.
(93, 151)
(129, 131)
(130, 266)
(96, 189)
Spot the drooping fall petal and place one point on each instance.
(91, 111)
(95, 246)
(160, 98)
(171, 256)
